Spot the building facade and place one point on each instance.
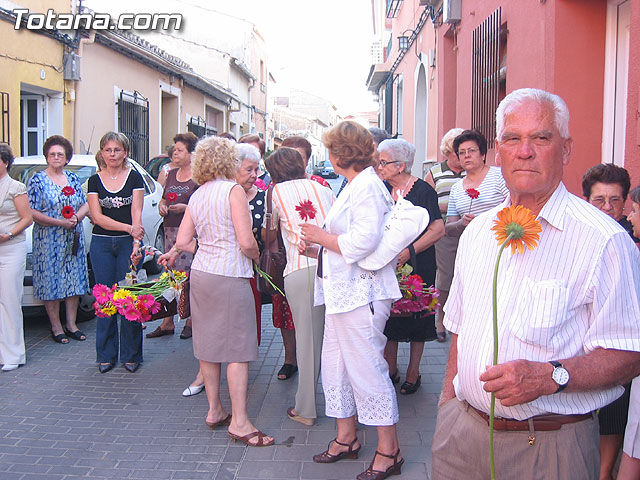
(587, 52)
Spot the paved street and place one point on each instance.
(62, 419)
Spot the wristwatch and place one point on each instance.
(560, 375)
(10, 235)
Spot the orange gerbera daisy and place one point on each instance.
(521, 225)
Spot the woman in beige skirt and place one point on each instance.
(222, 306)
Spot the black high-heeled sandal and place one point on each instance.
(408, 388)
(395, 378)
(326, 457)
(371, 474)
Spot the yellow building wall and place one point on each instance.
(24, 55)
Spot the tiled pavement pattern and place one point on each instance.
(61, 419)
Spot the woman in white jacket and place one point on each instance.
(355, 375)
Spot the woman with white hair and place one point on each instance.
(396, 160)
(442, 176)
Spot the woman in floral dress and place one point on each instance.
(59, 256)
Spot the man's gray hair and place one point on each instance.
(517, 97)
(400, 151)
(246, 151)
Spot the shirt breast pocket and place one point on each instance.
(541, 310)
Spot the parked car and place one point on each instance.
(155, 165)
(328, 171)
(84, 166)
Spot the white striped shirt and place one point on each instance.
(492, 191)
(577, 291)
(218, 248)
(286, 196)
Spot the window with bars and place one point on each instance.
(213, 119)
(133, 121)
(197, 126)
(488, 74)
(5, 133)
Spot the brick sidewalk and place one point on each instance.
(62, 419)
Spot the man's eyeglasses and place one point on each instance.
(470, 151)
(600, 201)
(384, 163)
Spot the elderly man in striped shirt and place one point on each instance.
(568, 316)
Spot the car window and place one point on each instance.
(149, 186)
(24, 172)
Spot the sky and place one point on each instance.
(320, 46)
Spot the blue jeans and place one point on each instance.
(110, 260)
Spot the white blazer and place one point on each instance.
(357, 218)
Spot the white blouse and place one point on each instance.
(357, 217)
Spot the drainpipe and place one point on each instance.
(83, 42)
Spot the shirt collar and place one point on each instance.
(554, 210)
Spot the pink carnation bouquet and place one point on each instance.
(138, 302)
(416, 295)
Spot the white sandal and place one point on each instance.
(192, 390)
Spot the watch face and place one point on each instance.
(560, 376)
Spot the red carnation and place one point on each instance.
(306, 210)
(473, 193)
(68, 191)
(172, 197)
(68, 211)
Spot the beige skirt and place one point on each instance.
(446, 249)
(224, 318)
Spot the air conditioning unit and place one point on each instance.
(451, 11)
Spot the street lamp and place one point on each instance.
(403, 43)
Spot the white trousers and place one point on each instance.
(12, 264)
(355, 375)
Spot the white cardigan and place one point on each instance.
(357, 218)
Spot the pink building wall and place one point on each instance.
(632, 146)
(558, 46)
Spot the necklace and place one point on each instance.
(115, 177)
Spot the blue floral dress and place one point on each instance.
(57, 273)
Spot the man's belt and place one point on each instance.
(541, 423)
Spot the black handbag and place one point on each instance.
(273, 258)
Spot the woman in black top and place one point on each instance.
(396, 159)
(116, 196)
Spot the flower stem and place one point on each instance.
(495, 351)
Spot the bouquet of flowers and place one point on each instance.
(416, 295)
(139, 302)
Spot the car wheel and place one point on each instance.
(152, 266)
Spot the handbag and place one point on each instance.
(273, 258)
(184, 307)
(401, 226)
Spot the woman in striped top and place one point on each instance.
(221, 301)
(291, 192)
(442, 176)
(482, 180)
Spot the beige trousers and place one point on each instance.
(460, 449)
(309, 323)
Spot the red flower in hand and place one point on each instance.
(306, 210)
(260, 184)
(172, 197)
(473, 193)
(68, 211)
(68, 191)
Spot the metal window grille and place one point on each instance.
(197, 126)
(486, 75)
(133, 121)
(388, 105)
(4, 118)
(393, 8)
